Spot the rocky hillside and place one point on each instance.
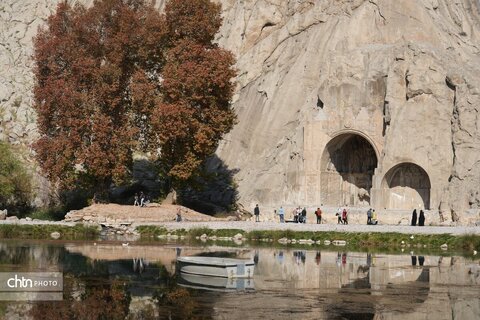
(407, 71)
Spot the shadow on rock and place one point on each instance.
(214, 191)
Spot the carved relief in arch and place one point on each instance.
(407, 186)
(348, 165)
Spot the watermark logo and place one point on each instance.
(31, 286)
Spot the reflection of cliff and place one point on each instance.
(288, 283)
(110, 252)
(34, 256)
(165, 255)
(330, 285)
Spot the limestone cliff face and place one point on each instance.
(317, 81)
(403, 74)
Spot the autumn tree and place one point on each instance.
(195, 112)
(97, 73)
(119, 77)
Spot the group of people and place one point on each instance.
(421, 218)
(140, 200)
(372, 217)
(299, 215)
(342, 215)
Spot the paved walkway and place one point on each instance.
(250, 226)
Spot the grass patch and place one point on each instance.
(193, 233)
(154, 231)
(77, 232)
(355, 241)
(3, 309)
(151, 231)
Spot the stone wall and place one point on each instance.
(402, 75)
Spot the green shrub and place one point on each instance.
(15, 181)
(15, 231)
(49, 214)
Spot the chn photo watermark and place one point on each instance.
(31, 286)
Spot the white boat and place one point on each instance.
(216, 267)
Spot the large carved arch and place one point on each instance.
(347, 167)
(406, 186)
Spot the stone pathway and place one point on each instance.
(250, 226)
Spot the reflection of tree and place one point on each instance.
(100, 289)
(180, 299)
(97, 301)
(179, 303)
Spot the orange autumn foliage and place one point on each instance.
(120, 76)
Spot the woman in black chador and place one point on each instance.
(421, 219)
(414, 217)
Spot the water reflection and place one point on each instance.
(108, 281)
(215, 283)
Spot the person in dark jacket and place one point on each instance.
(256, 212)
(421, 219)
(318, 213)
(414, 217)
(304, 215)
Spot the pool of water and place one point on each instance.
(106, 280)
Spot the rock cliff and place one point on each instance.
(403, 74)
(324, 86)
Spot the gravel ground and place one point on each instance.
(249, 226)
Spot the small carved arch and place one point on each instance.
(408, 182)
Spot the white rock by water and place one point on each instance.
(55, 235)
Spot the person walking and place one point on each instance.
(298, 215)
(421, 219)
(304, 215)
(345, 216)
(414, 217)
(281, 214)
(294, 215)
(256, 212)
(142, 199)
(374, 217)
(369, 216)
(135, 198)
(318, 213)
(339, 215)
(178, 217)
